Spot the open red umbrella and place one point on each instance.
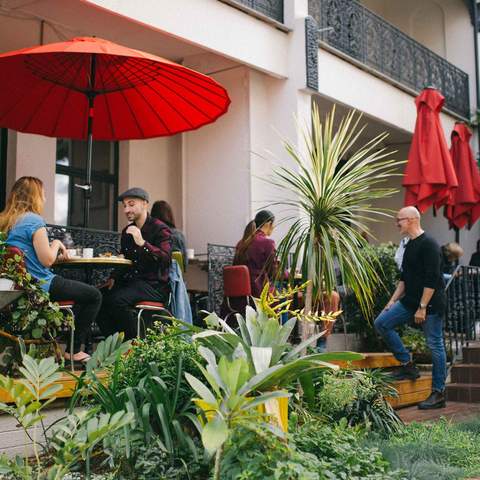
(429, 177)
(466, 198)
(90, 88)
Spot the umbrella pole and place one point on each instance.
(457, 235)
(88, 178)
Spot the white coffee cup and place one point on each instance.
(190, 253)
(88, 253)
(72, 252)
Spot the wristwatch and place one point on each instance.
(423, 306)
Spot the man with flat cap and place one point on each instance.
(146, 241)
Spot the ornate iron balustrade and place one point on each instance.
(269, 8)
(219, 256)
(362, 35)
(101, 241)
(463, 307)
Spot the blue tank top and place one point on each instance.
(21, 236)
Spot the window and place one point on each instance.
(71, 169)
(3, 167)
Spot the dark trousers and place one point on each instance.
(88, 301)
(117, 315)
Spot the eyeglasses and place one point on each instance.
(398, 220)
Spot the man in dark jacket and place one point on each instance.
(420, 295)
(146, 241)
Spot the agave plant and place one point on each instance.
(264, 341)
(330, 193)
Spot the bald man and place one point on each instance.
(419, 296)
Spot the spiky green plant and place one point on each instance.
(329, 195)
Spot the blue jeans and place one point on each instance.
(397, 315)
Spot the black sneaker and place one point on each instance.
(406, 372)
(435, 400)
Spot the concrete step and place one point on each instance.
(465, 373)
(463, 392)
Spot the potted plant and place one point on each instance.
(330, 192)
(8, 290)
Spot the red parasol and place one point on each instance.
(429, 177)
(466, 207)
(89, 88)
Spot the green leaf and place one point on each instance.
(200, 388)
(37, 333)
(214, 434)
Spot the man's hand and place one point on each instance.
(108, 284)
(420, 315)
(136, 233)
(389, 305)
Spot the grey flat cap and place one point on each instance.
(135, 192)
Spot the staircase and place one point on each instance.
(465, 377)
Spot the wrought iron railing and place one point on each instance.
(219, 256)
(366, 37)
(271, 8)
(463, 307)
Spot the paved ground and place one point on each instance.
(456, 411)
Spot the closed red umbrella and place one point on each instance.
(429, 177)
(90, 88)
(466, 198)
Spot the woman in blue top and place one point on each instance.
(26, 229)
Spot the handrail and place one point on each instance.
(463, 307)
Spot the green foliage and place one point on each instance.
(329, 193)
(358, 397)
(33, 315)
(341, 454)
(153, 404)
(415, 341)
(72, 439)
(387, 277)
(264, 342)
(161, 347)
(257, 455)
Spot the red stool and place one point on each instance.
(149, 306)
(236, 284)
(67, 306)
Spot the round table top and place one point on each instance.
(94, 261)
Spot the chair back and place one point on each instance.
(179, 258)
(236, 281)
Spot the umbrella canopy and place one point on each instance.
(429, 177)
(90, 88)
(51, 90)
(466, 198)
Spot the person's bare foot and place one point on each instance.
(78, 357)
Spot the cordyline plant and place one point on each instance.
(330, 193)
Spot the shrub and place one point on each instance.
(161, 348)
(342, 456)
(359, 397)
(387, 281)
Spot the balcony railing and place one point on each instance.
(270, 8)
(355, 31)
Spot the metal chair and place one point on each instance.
(149, 306)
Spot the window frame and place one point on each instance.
(110, 178)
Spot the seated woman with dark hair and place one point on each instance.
(163, 211)
(258, 252)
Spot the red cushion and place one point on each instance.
(152, 305)
(236, 281)
(66, 303)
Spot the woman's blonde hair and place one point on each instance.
(26, 196)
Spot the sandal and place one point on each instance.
(80, 357)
